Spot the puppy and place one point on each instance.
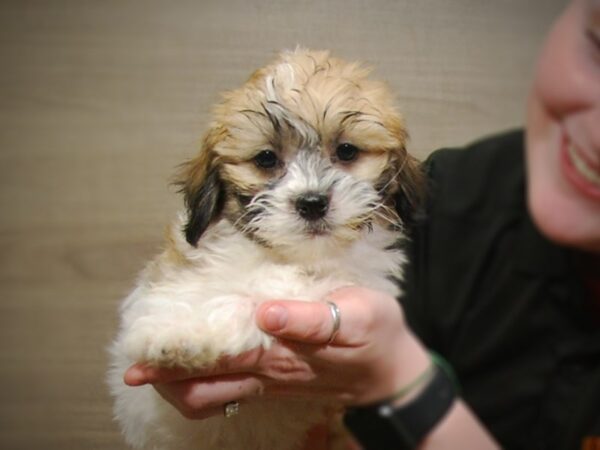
(302, 185)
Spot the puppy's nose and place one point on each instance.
(312, 206)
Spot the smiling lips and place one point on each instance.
(580, 171)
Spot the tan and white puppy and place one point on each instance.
(300, 188)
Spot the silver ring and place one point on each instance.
(335, 314)
(231, 409)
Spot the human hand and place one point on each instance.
(370, 358)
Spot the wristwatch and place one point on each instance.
(382, 426)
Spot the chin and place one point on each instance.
(302, 185)
(560, 209)
(564, 223)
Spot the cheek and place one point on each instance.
(565, 219)
(243, 178)
(369, 167)
(566, 74)
(558, 210)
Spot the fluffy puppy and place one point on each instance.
(302, 185)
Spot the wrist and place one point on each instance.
(411, 362)
(408, 392)
(405, 419)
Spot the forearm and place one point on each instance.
(421, 409)
(460, 428)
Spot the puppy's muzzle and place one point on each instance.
(312, 206)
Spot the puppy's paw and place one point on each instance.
(194, 337)
(168, 343)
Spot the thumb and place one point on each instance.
(301, 321)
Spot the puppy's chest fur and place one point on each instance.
(227, 263)
(195, 304)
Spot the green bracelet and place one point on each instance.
(435, 360)
(441, 362)
(420, 380)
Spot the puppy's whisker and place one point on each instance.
(393, 177)
(259, 203)
(386, 214)
(386, 218)
(241, 223)
(250, 221)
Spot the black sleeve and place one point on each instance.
(473, 193)
(464, 294)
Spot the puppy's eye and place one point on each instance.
(267, 159)
(346, 152)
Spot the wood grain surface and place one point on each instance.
(100, 100)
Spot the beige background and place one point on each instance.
(99, 100)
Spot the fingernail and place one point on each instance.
(275, 318)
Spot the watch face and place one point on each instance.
(385, 411)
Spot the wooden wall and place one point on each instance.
(100, 100)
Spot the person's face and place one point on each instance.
(563, 130)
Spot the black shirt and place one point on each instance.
(503, 304)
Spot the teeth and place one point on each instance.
(582, 167)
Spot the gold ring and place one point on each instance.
(231, 409)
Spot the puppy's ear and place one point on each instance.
(410, 197)
(203, 190)
(409, 186)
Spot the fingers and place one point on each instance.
(140, 374)
(313, 322)
(199, 399)
(307, 322)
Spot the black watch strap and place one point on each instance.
(384, 427)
